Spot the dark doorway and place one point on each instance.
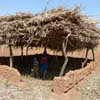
(24, 64)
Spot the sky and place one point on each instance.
(9, 7)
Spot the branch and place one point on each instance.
(65, 44)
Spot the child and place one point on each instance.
(35, 69)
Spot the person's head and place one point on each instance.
(45, 51)
(35, 59)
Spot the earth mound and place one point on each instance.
(12, 75)
(65, 83)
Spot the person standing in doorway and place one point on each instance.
(44, 64)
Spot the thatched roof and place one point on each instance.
(52, 29)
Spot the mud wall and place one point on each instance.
(70, 79)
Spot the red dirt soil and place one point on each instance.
(11, 75)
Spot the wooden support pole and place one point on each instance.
(22, 54)
(87, 50)
(64, 66)
(86, 58)
(21, 50)
(64, 46)
(27, 51)
(84, 62)
(93, 54)
(65, 62)
(11, 56)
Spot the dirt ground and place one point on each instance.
(35, 90)
(88, 89)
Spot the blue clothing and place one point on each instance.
(43, 68)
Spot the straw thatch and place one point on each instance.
(54, 29)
